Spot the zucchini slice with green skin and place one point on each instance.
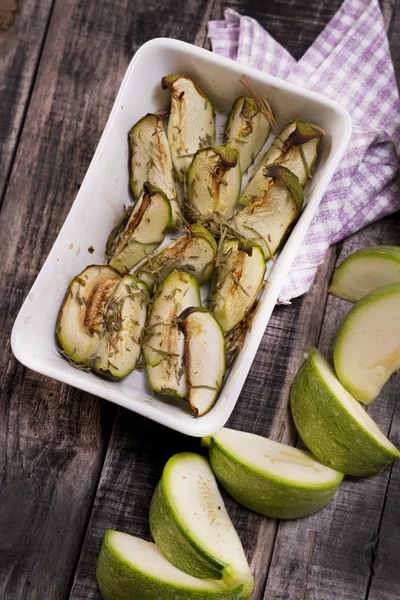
(126, 317)
(247, 130)
(141, 229)
(269, 219)
(191, 123)
(163, 345)
(365, 271)
(333, 425)
(150, 160)
(213, 183)
(273, 479)
(367, 347)
(191, 526)
(194, 252)
(296, 148)
(205, 358)
(101, 321)
(129, 568)
(80, 320)
(239, 275)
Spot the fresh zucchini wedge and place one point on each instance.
(163, 345)
(273, 479)
(194, 252)
(213, 183)
(205, 358)
(141, 229)
(129, 568)
(191, 124)
(101, 321)
(269, 219)
(333, 425)
(191, 526)
(238, 278)
(365, 271)
(367, 347)
(150, 160)
(247, 130)
(296, 148)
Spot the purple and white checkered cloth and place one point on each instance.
(350, 62)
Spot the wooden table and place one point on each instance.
(73, 465)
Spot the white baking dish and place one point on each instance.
(105, 189)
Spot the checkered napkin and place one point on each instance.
(349, 62)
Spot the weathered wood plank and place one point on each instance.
(385, 579)
(330, 554)
(385, 570)
(22, 34)
(139, 449)
(53, 438)
(294, 23)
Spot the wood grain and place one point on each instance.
(53, 438)
(22, 33)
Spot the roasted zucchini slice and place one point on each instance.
(101, 321)
(213, 183)
(150, 160)
(238, 279)
(191, 124)
(163, 345)
(125, 320)
(205, 358)
(247, 130)
(193, 252)
(296, 148)
(141, 229)
(269, 218)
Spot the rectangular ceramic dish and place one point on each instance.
(105, 189)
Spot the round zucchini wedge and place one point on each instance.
(129, 568)
(150, 160)
(101, 320)
(247, 130)
(333, 425)
(213, 183)
(365, 271)
(141, 229)
(194, 252)
(238, 279)
(125, 320)
(191, 123)
(191, 526)
(273, 479)
(367, 347)
(205, 358)
(296, 148)
(163, 344)
(269, 219)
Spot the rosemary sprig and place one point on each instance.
(74, 363)
(261, 104)
(216, 176)
(163, 353)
